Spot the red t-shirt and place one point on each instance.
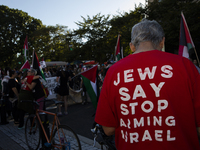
(28, 79)
(153, 100)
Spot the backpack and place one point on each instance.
(44, 87)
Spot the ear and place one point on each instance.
(132, 47)
(162, 43)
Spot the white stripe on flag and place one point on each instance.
(185, 52)
(94, 86)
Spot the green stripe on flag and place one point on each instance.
(189, 46)
(90, 90)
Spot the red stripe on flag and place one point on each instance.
(90, 74)
(187, 32)
(118, 46)
(180, 52)
(26, 43)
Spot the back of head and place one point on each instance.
(11, 72)
(147, 30)
(34, 71)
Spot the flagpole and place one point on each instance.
(196, 56)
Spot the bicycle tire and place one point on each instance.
(32, 136)
(68, 140)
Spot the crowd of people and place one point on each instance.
(149, 100)
(18, 86)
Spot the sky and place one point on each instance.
(67, 12)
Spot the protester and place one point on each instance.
(151, 99)
(36, 87)
(47, 73)
(63, 77)
(14, 94)
(5, 93)
(27, 95)
(83, 92)
(196, 64)
(54, 72)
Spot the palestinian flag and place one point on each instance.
(26, 65)
(36, 65)
(90, 81)
(185, 43)
(118, 51)
(25, 48)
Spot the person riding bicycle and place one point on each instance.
(150, 99)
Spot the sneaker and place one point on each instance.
(16, 122)
(20, 127)
(65, 113)
(59, 114)
(9, 117)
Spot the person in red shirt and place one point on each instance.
(150, 99)
(25, 94)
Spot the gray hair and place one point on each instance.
(147, 30)
(34, 71)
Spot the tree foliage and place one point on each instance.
(92, 35)
(14, 26)
(168, 14)
(96, 37)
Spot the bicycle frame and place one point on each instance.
(55, 121)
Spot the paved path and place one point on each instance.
(11, 138)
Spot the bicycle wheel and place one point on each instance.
(32, 133)
(68, 139)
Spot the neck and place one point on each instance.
(144, 46)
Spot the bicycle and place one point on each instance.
(62, 137)
(107, 142)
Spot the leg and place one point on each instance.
(15, 112)
(65, 103)
(59, 107)
(21, 118)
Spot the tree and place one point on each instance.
(122, 24)
(50, 42)
(14, 26)
(92, 37)
(168, 14)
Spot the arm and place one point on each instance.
(32, 85)
(198, 132)
(110, 130)
(16, 92)
(36, 77)
(57, 79)
(69, 78)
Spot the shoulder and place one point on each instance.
(36, 80)
(36, 77)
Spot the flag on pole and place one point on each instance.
(185, 43)
(90, 81)
(36, 65)
(25, 48)
(26, 65)
(118, 50)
